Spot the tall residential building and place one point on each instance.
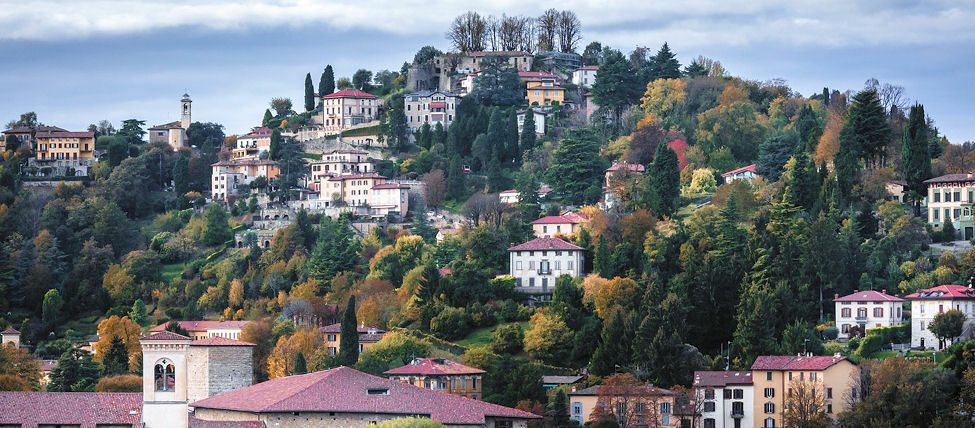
(537, 263)
(339, 162)
(727, 398)
(252, 144)
(776, 378)
(928, 303)
(347, 108)
(950, 198)
(431, 107)
(867, 309)
(228, 177)
(63, 151)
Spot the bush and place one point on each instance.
(120, 383)
(870, 344)
(830, 333)
(508, 339)
(451, 324)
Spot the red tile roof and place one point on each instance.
(391, 186)
(434, 367)
(86, 409)
(346, 390)
(868, 296)
(742, 169)
(246, 162)
(643, 389)
(65, 134)
(559, 219)
(795, 362)
(166, 335)
(346, 93)
(541, 244)
(219, 341)
(588, 67)
(170, 125)
(722, 378)
(200, 423)
(635, 167)
(28, 129)
(337, 328)
(203, 326)
(943, 292)
(535, 75)
(10, 330)
(952, 178)
(355, 176)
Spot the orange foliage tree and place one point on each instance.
(125, 329)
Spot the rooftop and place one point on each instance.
(10, 330)
(203, 326)
(427, 93)
(951, 178)
(943, 292)
(347, 93)
(635, 167)
(355, 176)
(505, 53)
(642, 389)
(337, 328)
(535, 75)
(742, 169)
(26, 129)
(219, 341)
(246, 162)
(869, 296)
(433, 367)
(170, 125)
(347, 390)
(799, 362)
(722, 378)
(166, 335)
(560, 380)
(588, 67)
(541, 244)
(64, 134)
(84, 409)
(390, 186)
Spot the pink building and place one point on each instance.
(347, 108)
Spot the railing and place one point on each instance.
(544, 271)
(861, 318)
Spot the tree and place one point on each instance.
(560, 409)
(576, 172)
(548, 30)
(592, 55)
(947, 325)
(410, 422)
(805, 405)
(120, 383)
(528, 132)
(132, 131)
(309, 93)
(267, 117)
(916, 157)
(426, 54)
(326, 85)
(300, 367)
(548, 339)
(335, 251)
(627, 400)
(52, 308)
(75, 372)
(19, 369)
(116, 359)
(217, 229)
(773, 154)
(138, 313)
(123, 328)
(468, 32)
(393, 125)
(569, 31)
(664, 64)
(281, 107)
(434, 187)
(900, 392)
(497, 84)
(865, 136)
(611, 353)
(602, 263)
(617, 85)
(362, 79)
(662, 186)
(456, 186)
(349, 340)
(508, 339)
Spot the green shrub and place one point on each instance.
(830, 333)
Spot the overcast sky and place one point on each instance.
(77, 62)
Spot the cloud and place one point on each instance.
(690, 24)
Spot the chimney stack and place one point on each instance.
(836, 296)
(884, 291)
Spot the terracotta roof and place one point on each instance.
(722, 378)
(434, 367)
(943, 292)
(646, 389)
(337, 328)
(10, 330)
(588, 67)
(559, 219)
(245, 162)
(868, 296)
(170, 125)
(219, 341)
(346, 93)
(635, 167)
(65, 134)
(346, 390)
(535, 75)
(347, 151)
(391, 186)
(544, 189)
(166, 335)
(541, 244)
(27, 129)
(203, 326)
(742, 169)
(200, 423)
(795, 362)
(951, 178)
(48, 365)
(508, 192)
(506, 53)
(355, 176)
(87, 409)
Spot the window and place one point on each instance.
(768, 375)
(569, 265)
(739, 394)
(727, 394)
(708, 406)
(936, 212)
(665, 408)
(845, 312)
(518, 265)
(738, 408)
(790, 375)
(846, 328)
(957, 196)
(769, 392)
(331, 338)
(709, 394)
(769, 408)
(377, 391)
(709, 423)
(769, 423)
(937, 196)
(829, 408)
(812, 376)
(165, 376)
(577, 408)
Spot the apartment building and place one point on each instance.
(774, 378)
(634, 406)
(339, 162)
(347, 108)
(728, 398)
(950, 198)
(430, 107)
(440, 374)
(542, 89)
(25, 134)
(252, 144)
(228, 177)
(537, 263)
(585, 76)
(368, 336)
(928, 303)
(63, 151)
(867, 309)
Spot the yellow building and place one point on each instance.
(544, 92)
(440, 374)
(368, 336)
(630, 405)
(63, 150)
(775, 377)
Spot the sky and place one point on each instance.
(78, 62)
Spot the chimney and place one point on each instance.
(836, 296)
(884, 291)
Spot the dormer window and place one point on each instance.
(377, 391)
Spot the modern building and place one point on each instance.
(229, 177)
(743, 173)
(174, 133)
(440, 374)
(347, 108)
(557, 59)
(537, 263)
(10, 337)
(430, 107)
(727, 398)
(656, 403)
(25, 134)
(344, 397)
(773, 379)
(340, 162)
(252, 144)
(368, 336)
(928, 303)
(950, 198)
(615, 174)
(566, 224)
(867, 309)
(585, 76)
(64, 151)
(207, 329)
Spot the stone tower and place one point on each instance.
(218, 365)
(186, 111)
(164, 380)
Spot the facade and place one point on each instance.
(657, 402)
(896, 190)
(252, 144)
(566, 224)
(440, 374)
(772, 377)
(537, 263)
(370, 194)
(442, 234)
(340, 162)
(867, 309)
(928, 303)
(368, 336)
(25, 134)
(174, 133)
(540, 118)
(347, 108)
(727, 398)
(950, 198)
(63, 150)
(448, 67)
(743, 173)
(585, 76)
(556, 59)
(430, 107)
(613, 175)
(228, 177)
(542, 89)
(344, 397)
(207, 329)
(10, 337)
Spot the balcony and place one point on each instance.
(861, 318)
(544, 271)
(737, 414)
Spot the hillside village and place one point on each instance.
(518, 231)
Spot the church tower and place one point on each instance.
(164, 380)
(186, 111)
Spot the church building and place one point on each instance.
(174, 133)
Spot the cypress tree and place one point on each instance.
(602, 259)
(309, 93)
(274, 150)
(560, 410)
(455, 179)
(425, 138)
(438, 136)
(326, 85)
(916, 157)
(664, 182)
(116, 360)
(267, 117)
(528, 136)
(349, 342)
(611, 350)
(300, 366)
(512, 152)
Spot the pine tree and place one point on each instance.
(560, 410)
(138, 313)
(512, 152)
(349, 340)
(495, 178)
(527, 188)
(528, 136)
(300, 366)
(865, 135)
(326, 85)
(438, 136)
(916, 157)
(75, 372)
(116, 359)
(274, 148)
(267, 117)
(611, 351)
(425, 137)
(602, 262)
(335, 250)
(664, 64)
(456, 186)
(662, 189)
(309, 93)
(218, 230)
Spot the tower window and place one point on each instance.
(165, 376)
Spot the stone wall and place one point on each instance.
(215, 370)
(320, 419)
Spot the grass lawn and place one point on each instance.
(485, 336)
(880, 355)
(312, 156)
(171, 272)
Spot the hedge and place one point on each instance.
(876, 338)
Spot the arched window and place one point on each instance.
(165, 376)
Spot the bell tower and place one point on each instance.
(186, 111)
(164, 380)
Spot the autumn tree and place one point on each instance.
(805, 405)
(627, 400)
(281, 106)
(548, 338)
(19, 370)
(125, 329)
(947, 326)
(282, 360)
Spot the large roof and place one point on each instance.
(541, 244)
(434, 367)
(355, 176)
(535, 75)
(635, 167)
(200, 423)
(750, 168)
(429, 92)
(64, 134)
(951, 178)
(347, 390)
(347, 93)
(943, 292)
(203, 326)
(165, 335)
(219, 341)
(647, 389)
(800, 362)
(10, 330)
(567, 218)
(87, 409)
(869, 296)
(27, 129)
(246, 162)
(170, 125)
(722, 378)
